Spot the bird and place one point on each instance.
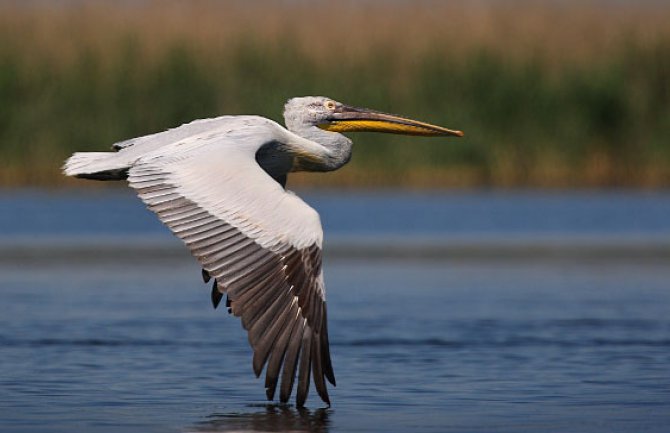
(219, 184)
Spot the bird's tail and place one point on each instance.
(96, 165)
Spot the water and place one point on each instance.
(439, 345)
(100, 211)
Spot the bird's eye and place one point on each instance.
(329, 105)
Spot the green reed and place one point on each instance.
(528, 122)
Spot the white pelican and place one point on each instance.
(219, 185)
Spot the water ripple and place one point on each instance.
(507, 342)
(374, 342)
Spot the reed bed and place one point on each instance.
(551, 94)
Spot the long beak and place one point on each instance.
(353, 119)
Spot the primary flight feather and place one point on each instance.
(219, 185)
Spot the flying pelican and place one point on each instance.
(219, 185)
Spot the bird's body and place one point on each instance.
(219, 185)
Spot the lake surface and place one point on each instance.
(112, 211)
(420, 345)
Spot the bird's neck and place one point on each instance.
(329, 150)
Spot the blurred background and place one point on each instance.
(550, 93)
(512, 280)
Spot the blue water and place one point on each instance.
(418, 345)
(104, 211)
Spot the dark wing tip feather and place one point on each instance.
(279, 351)
(291, 361)
(317, 369)
(305, 367)
(216, 295)
(205, 276)
(325, 349)
(266, 330)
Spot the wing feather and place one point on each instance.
(266, 329)
(291, 360)
(305, 366)
(259, 304)
(279, 350)
(325, 348)
(243, 301)
(261, 243)
(317, 369)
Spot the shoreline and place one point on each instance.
(129, 249)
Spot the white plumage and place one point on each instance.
(219, 185)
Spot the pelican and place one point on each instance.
(220, 186)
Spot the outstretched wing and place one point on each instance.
(261, 243)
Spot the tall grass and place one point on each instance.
(558, 95)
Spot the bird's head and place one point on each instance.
(334, 116)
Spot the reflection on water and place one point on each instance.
(267, 418)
